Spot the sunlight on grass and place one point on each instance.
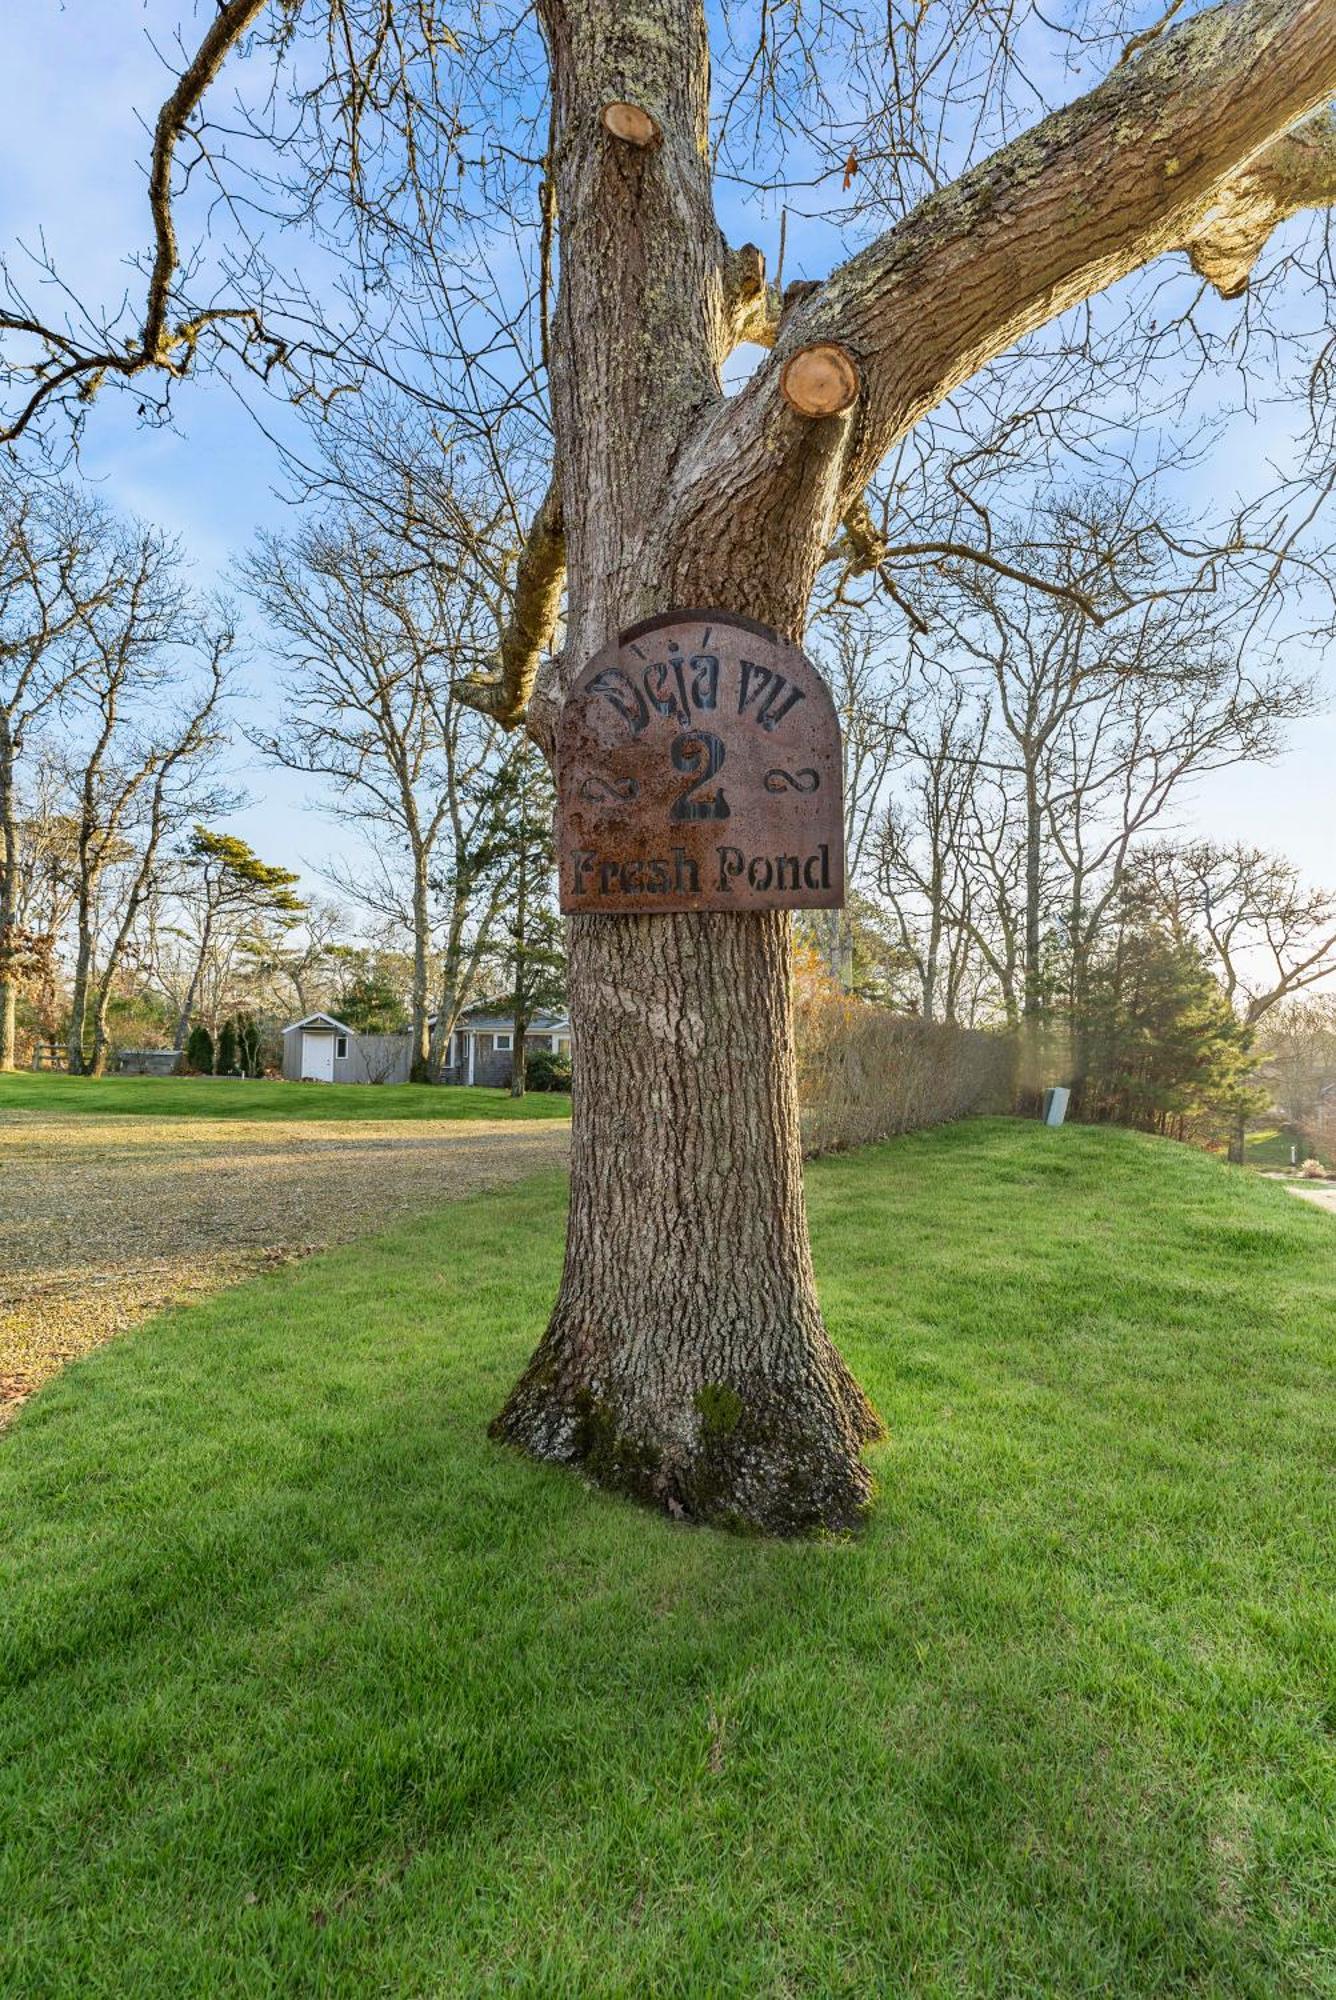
(1273, 1147)
(308, 1688)
(265, 1097)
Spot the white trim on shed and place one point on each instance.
(327, 1020)
(322, 1040)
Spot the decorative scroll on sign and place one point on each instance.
(699, 768)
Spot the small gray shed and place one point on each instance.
(319, 1049)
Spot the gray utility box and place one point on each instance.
(1056, 1101)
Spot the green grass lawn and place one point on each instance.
(1271, 1148)
(309, 1690)
(248, 1097)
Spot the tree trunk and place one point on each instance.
(182, 1034)
(115, 950)
(1238, 1140)
(83, 966)
(102, 993)
(934, 947)
(1032, 1017)
(839, 948)
(8, 1023)
(458, 965)
(1078, 1003)
(419, 1068)
(686, 1361)
(521, 1023)
(8, 894)
(448, 1008)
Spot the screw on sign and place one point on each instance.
(699, 768)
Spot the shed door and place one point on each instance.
(317, 1057)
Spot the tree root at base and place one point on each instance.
(743, 1457)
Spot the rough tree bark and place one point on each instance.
(686, 1361)
(93, 849)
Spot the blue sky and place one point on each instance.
(73, 90)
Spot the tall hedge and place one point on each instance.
(865, 1073)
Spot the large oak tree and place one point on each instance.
(686, 1359)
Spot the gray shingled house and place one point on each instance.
(482, 1047)
(320, 1049)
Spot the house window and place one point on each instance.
(503, 1043)
(341, 1047)
(563, 1043)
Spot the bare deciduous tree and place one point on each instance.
(1095, 727)
(44, 862)
(128, 813)
(136, 763)
(1298, 1042)
(60, 564)
(868, 684)
(923, 845)
(1268, 934)
(686, 1359)
(373, 651)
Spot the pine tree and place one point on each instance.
(229, 882)
(199, 1050)
(225, 1055)
(1165, 1044)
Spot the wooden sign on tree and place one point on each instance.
(699, 768)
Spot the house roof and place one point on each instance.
(319, 1021)
(484, 1018)
(487, 1019)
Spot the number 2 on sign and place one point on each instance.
(688, 752)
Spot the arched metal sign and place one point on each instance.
(699, 768)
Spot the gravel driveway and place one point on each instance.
(1322, 1194)
(103, 1221)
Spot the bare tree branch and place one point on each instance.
(66, 366)
(752, 307)
(1093, 192)
(1298, 172)
(864, 549)
(540, 578)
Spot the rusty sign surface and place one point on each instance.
(699, 768)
